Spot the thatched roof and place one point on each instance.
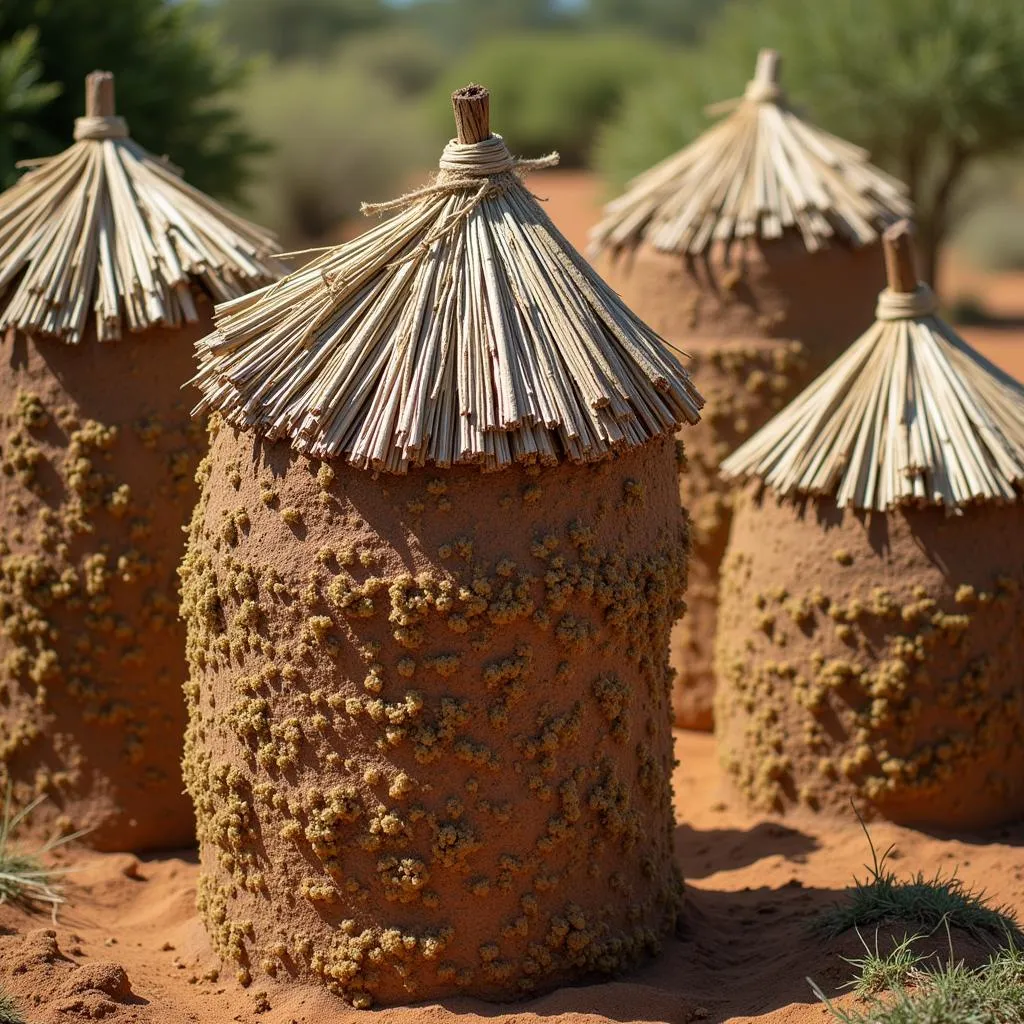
(910, 414)
(757, 174)
(465, 329)
(105, 226)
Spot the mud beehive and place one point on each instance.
(108, 261)
(869, 641)
(430, 740)
(755, 249)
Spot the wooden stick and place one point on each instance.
(769, 66)
(900, 268)
(472, 107)
(99, 94)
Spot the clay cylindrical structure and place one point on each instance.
(97, 479)
(874, 658)
(429, 740)
(759, 324)
(99, 317)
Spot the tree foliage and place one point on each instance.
(930, 87)
(291, 29)
(551, 90)
(172, 82)
(679, 20)
(339, 137)
(22, 96)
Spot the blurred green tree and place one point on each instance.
(22, 97)
(930, 87)
(172, 82)
(679, 20)
(292, 29)
(459, 23)
(551, 90)
(339, 136)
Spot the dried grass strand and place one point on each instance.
(760, 172)
(465, 330)
(910, 414)
(106, 227)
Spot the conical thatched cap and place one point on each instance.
(106, 226)
(465, 329)
(909, 414)
(756, 174)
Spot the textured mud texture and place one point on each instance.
(759, 330)
(430, 732)
(97, 480)
(878, 659)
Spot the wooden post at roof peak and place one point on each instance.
(99, 94)
(769, 64)
(900, 265)
(472, 106)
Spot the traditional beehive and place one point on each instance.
(108, 261)
(755, 250)
(869, 641)
(430, 735)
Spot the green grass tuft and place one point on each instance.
(24, 879)
(9, 1012)
(992, 994)
(923, 903)
(881, 972)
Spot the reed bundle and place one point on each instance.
(106, 226)
(910, 414)
(465, 329)
(760, 172)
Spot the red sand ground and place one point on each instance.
(754, 886)
(754, 883)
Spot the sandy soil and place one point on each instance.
(130, 947)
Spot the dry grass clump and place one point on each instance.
(25, 880)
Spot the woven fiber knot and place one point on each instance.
(906, 305)
(477, 159)
(100, 128)
(762, 92)
(467, 167)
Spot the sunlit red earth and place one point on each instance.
(129, 947)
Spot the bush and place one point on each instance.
(553, 90)
(289, 30)
(339, 137)
(662, 116)
(409, 62)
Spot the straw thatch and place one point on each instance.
(464, 330)
(106, 226)
(760, 172)
(910, 414)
